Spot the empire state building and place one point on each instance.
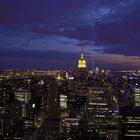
(82, 66)
(82, 62)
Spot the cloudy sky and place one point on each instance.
(50, 34)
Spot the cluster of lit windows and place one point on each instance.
(132, 129)
(101, 116)
(23, 95)
(98, 103)
(137, 96)
(63, 101)
(82, 64)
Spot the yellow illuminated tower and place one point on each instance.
(82, 66)
(82, 61)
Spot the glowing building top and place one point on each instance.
(82, 61)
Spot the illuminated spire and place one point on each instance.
(82, 54)
(82, 61)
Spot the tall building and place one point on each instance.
(82, 66)
(23, 96)
(53, 101)
(51, 126)
(130, 115)
(137, 96)
(82, 61)
(100, 114)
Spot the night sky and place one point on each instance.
(50, 34)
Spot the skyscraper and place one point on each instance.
(52, 121)
(82, 66)
(82, 61)
(130, 112)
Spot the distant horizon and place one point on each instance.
(67, 69)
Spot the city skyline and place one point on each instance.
(51, 34)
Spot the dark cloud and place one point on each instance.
(37, 59)
(81, 33)
(125, 33)
(123, 50)
(36, 11)
(119, 37)
(36, 54)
